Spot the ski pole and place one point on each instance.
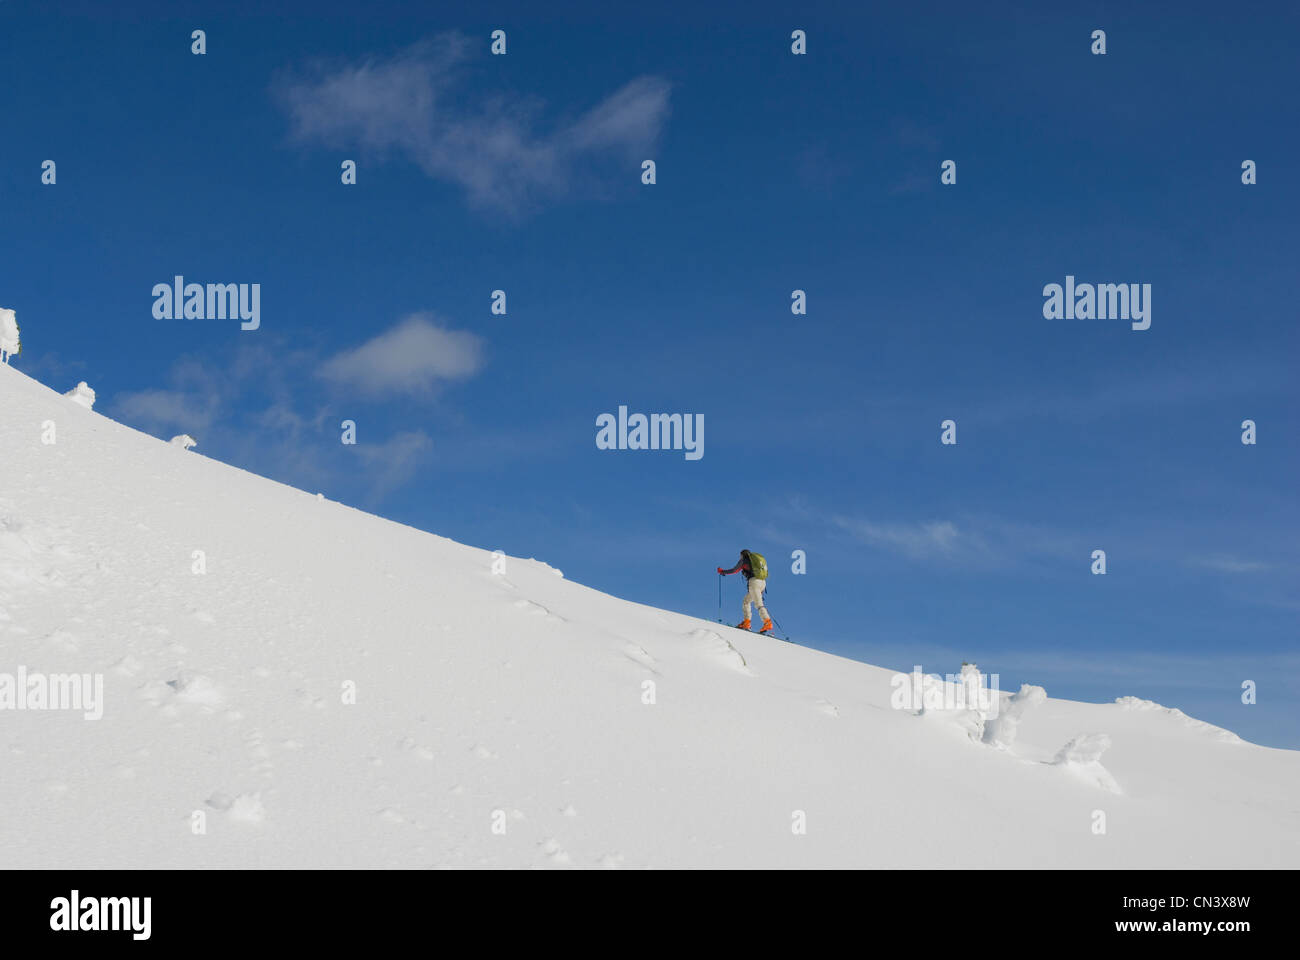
(719, 598)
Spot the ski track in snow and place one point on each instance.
(340, 690)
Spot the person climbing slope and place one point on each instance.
(754, 567)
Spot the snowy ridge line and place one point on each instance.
(278, 671)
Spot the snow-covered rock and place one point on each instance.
(1082, 757)
(1000, 730)
(82, 394)
(10, 342)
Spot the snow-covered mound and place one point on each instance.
(82, 394)
(10, 342)
(1135, 703)
(285, 681)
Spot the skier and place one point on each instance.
(754, 567)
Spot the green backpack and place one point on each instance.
(757, 565)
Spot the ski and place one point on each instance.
(757, 633)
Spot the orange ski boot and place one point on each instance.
(767, 625)
(743, 625)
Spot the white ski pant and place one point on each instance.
(754, 598)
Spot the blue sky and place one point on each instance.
(775, 172)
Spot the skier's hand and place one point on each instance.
(719, 569)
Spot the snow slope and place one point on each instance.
(511, 699)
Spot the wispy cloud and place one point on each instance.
(988, 544)
(818, 167)
(912, 183)
(920, 541)
(256, 409)
(975, 542)
(1225, 563)
(159, 409)
(1119, 395)
(413, 357)
(278, 409)
(192, 401)
(914, 136)
(414, 103)
(50, 367)
(394, 461)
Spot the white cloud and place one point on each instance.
(1229, 564)
(974, 541)
(198, 393)
(409, 103)
(394, 461)
(916, 540)
(167, 408)
(251, 409)
(631, 117)
(378, 104)
(412, 357)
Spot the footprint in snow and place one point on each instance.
(554, 852)
(721, 649)
(537, 610)
(638, 655)
(186, 689)
(242, 807)
(53, 578)
(407, 745)
(63, 641)
(259, 752)
(127, 666)
(196, 689)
